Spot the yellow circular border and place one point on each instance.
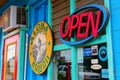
(42, 66)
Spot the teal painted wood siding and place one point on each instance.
(115, 30)
(109, 43)
(38, 11)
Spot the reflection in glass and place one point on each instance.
(10, 62)
(63, 64)
(86, 74)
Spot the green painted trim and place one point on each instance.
(21, 55)
(109, 45)
(94, 41)
(1, 50)
(27, 7)
(24, 28)
(50, 13)
(50, 67)
(99, 40)
(74, 64)
(28, 15)
(72, 6)
(61, 47)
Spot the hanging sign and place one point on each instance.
(83, 26)
(40, 49)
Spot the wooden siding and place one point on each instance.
(60, 9)
(80, 3)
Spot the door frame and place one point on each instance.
(13, 39)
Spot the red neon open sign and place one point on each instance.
(88, 20)
(79, 24)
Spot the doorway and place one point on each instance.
(10, 58)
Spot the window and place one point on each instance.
(62, 61)
(93, 62)
(10, 61)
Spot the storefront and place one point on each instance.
(60, 40)
(78, 56)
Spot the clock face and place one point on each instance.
(39, 47)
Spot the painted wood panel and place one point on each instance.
(38, 12)
(114, 4)
(115, 15)
(115, 22)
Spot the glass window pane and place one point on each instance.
(10, 62)
(93, 62)
(62, 61)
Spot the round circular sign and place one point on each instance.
(40, 49)
(102, 53)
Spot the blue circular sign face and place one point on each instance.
(103, 23)
(102, 54)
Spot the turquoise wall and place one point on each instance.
(115, 15)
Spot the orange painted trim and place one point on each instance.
(7, 42)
